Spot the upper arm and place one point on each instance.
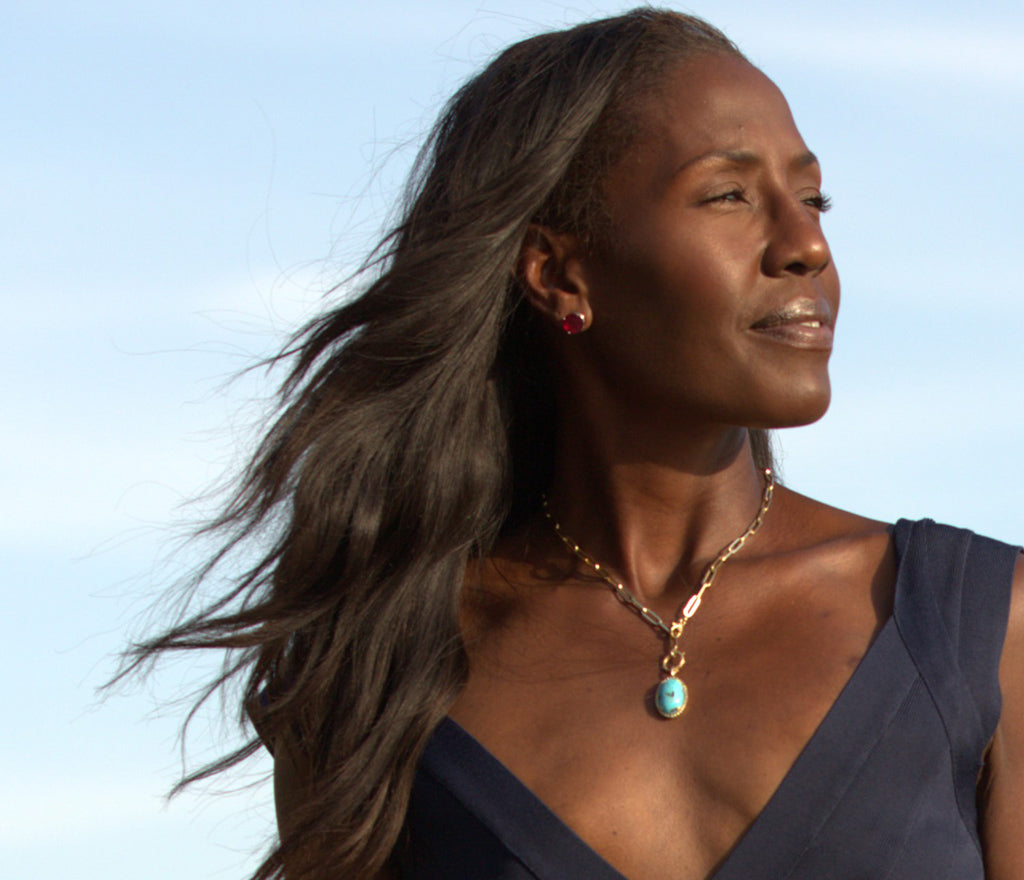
(1003, 803)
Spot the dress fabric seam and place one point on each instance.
(972, 831)
(951, 645)
(918, 804)
(851, 778)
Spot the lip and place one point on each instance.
(802, 323)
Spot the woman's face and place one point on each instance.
(716, 289)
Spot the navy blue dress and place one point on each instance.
(884, 790)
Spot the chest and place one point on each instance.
(562, 695)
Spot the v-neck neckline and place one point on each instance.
(802, 800)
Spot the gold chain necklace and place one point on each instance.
(670, 697)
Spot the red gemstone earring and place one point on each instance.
(574, 323)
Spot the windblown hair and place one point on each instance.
(414, 426)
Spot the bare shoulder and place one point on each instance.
(836, 538)
(826, 520)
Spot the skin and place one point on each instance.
(654, 475)
(1003, 786)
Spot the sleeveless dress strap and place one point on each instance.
(951, 608)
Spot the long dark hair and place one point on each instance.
(413, 428)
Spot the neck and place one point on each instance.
(655, 512)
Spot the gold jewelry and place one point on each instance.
(670, 697)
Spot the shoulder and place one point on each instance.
(822, 524)
(831, 539)
(964, 576)
(982, 565)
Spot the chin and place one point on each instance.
(803, 409)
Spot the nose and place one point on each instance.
(797, 246)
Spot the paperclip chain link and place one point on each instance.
(674, 658)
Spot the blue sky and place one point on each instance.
(183, 180)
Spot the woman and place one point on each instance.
(535, 605)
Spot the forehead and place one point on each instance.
(714, 102)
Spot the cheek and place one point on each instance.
(671, 322)
(670, 305)
(679, 280)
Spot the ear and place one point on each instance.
(552, 273)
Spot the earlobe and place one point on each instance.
(551, 273)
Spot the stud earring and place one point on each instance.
(574, 323)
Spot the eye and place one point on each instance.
(819, 201)
(732, 195)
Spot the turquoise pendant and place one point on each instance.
(670, 698)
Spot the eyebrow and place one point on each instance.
(744, 157)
